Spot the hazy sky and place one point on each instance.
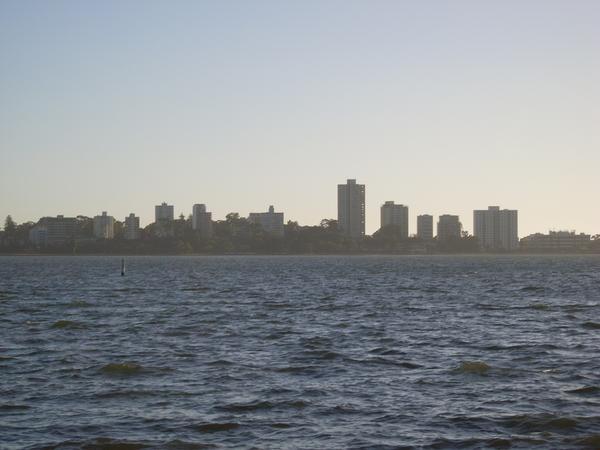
(446, 106)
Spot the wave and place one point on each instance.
(533, 289)
(472, 443)
(130, 394)
(7, 294)
(262, 405)
(584, 390)
(183, 445)
(78, 304)
(591, 325)
(14, 407)
(387, 361)
(215, 427)
(68, 324)
(473, 367)
(195, 289)
(591, 442)
(98, 444)
(295, 369)
(540, 423)
(245, 407)
(539, 306)
(122, 369)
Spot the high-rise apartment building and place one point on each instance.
(448, 227)
(163, 220)
(104, 226)
(351, 209)
(271, 221)
(202, 220)
(496, 229)
(163, 212)
(396, 215)
(425, 226)
(132, 227)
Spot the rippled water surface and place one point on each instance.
(300, 352)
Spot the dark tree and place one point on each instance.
(9, 225)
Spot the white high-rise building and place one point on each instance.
(202, 220)
(425, 226)
(163, 212)
(271, 221)
(496, 229)
(397, 215)
(448, 227)
(104, 226)
(132, 227)
(351, 209)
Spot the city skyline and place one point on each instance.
(167, 211)
(443, 107)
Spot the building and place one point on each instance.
(496, 229)
(396, 215)
(163, 220)
(132, 227)
(351, 209)
(557, 242)
(202, 220)
(271, 221)
(448, 227)
(163, 212)
(104, 226)
(59, 229)
(425, 226)
(38, 235)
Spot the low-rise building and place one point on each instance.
(271, 221)
(59, 229)
(38, 235)
(556, 242)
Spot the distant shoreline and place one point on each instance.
(304, 254)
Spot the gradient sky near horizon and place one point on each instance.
(445, 106)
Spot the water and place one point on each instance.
(300, 352)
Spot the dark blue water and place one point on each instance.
(300, 352)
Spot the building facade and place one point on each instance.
(59, 230)
(38, 235)
(425, 226)
(270, 221)
(132, 227)
(202, 220)
(104, 226)
(351, 209)
(496, 229)
(163, 220)
(448, 227)
(396, 215)
(163, 212)
(556, 242)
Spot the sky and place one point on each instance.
(444, 106)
